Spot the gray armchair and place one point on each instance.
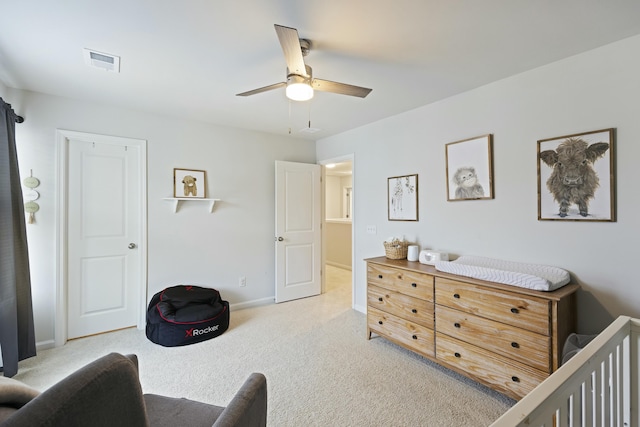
(107, 392)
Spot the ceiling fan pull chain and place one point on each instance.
(289, 117)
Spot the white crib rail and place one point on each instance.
(596, 387)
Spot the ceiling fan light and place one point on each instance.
(299, 92)
(298, 88)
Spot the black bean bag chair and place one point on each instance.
(183, 314)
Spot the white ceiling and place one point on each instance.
(188, 58)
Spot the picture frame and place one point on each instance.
(576, 179)
(469, 168)
(189, 183)
(402, 198)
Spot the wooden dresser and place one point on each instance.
(505, 337)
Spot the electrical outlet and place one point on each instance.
(371, 229)
(242, 281)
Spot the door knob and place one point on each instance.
(132, 245)
(280, 239)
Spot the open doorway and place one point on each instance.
(338, 227)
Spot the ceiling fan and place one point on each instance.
(300, 83)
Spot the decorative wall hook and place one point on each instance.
(31, 195)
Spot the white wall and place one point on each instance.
(338, 243)
(192, 246)
(332, 202)
(335, 200)
(595, 90)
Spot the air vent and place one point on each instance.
(104, 61)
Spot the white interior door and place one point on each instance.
(104, 236)
(298, 231)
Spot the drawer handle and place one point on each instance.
(380, 299)
(515, 379)
(457, 325)
(515, 310)
(379, 322)
(379, 276)
(414, 311)
(457, 296)
(456, 354)
(415, 337)
(515, 345)
(415, 285)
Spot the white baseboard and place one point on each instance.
(360, 308)
(42, 345)
(253, 303)
(45, 345)
(335, 264)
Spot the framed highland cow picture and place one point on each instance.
(469, 169)
(189, 183)
(576, 177)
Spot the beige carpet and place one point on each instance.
(320, 368)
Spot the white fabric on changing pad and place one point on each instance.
(531, 276)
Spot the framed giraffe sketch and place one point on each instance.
(402, 198)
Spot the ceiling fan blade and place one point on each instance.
(292, 50)
(341, 88)
(262, 89)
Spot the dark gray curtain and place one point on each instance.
(17, 337)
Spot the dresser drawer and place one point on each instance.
(414, 309)
(522, 311)
(524, 346)
(411, 283)
(409, 334)
(506, 376)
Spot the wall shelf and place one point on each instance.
(176, 202)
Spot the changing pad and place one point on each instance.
(530, 276)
